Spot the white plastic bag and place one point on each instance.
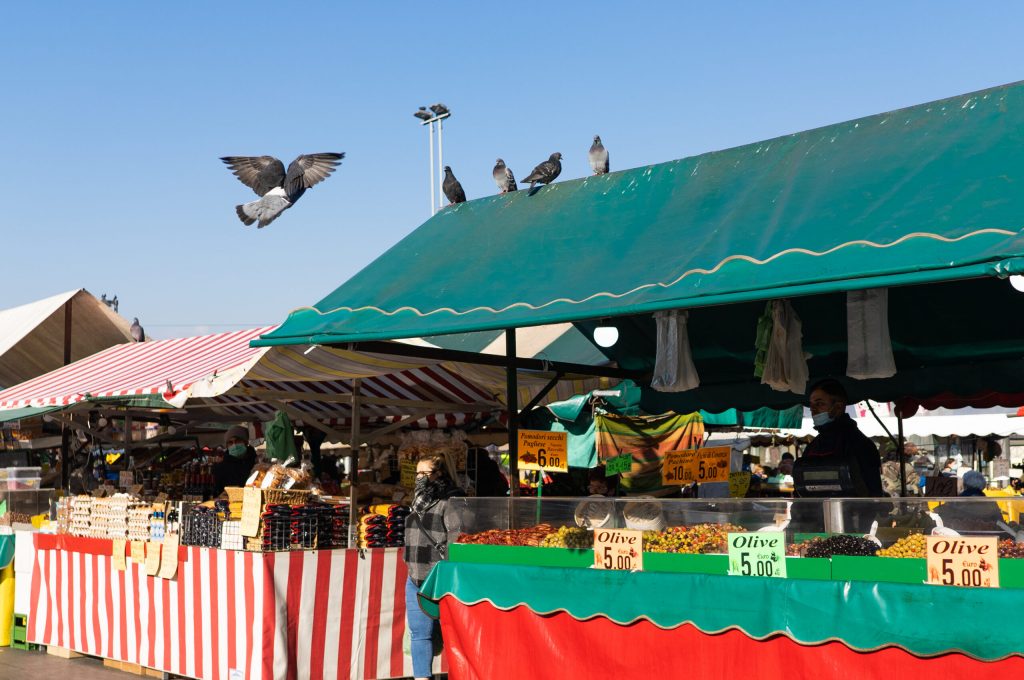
(869, 348)
(673, 365)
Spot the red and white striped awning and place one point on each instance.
(165, 368)
(223, 372)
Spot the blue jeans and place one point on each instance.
(421, 632)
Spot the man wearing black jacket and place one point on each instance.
(839, 437)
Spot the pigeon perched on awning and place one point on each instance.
(451, 187)
(503, 177)
(598, 157)
(546, 172)
(137, 332)
(278, 190)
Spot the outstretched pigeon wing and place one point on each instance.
(259, 173)
(308, 170)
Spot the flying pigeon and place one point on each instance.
(423, 114)
(451, 187)
(279, 190)
(138, 334)
(546, 172)
(598, 157)
(503, 177)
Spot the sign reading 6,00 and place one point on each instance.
(541, 450)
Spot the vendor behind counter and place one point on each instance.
(239, 459)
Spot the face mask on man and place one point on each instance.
(821, 419)
(237, 450)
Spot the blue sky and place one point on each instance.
(115, 113)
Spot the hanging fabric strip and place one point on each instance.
(673, 366)
(785, 368)
(869, 351)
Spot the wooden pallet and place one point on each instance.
(62, 652)
(133, 668)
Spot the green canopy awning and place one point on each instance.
(920, 195)
(9, 415)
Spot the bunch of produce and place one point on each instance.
(531, 536)
(913, 545)
(569, 537)
(700, 538)
(1008, 548)
(840, 544)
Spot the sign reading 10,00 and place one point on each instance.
(541, 450)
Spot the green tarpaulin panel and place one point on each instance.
(8, 415)
(919, 195)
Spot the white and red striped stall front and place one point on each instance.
(227, 615)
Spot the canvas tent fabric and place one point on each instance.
(224, 373)
(979, 425)
(32, 335)
(917, 195)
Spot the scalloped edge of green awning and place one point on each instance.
(313, 318)
(865, 616)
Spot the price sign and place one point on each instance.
(408, 469)
(619, 549)
(739, 484)
(963, 561)
(169, 556)
(152, 558)
(118, 555)
(702, 465)
(759, 553)
(138, 552)
(676, 468)
(252, 502)
(619, 465)
(541, 450)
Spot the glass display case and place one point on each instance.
(846, 535)
(23, 504)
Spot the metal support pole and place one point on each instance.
(433, 203)
(512, 404)
(900, 453)
(68, 306)
(440, 163)
(353, 515)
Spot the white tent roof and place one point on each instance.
(32, 335)
(980, 425)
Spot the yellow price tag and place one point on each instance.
(739, 484)
(966, 561)
(408, 470)
(152, 558)
(118, 554)
(252, 505)
(541, 450)
(701, 465)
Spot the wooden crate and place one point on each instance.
(62, 652)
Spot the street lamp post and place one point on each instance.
(436, 115)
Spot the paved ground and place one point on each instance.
(15, 663)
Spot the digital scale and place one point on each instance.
(822, 476)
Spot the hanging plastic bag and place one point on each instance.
(673, 366)
(869, 347)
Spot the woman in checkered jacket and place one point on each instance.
(431, 525)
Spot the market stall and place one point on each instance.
(226, 614)
(842, 604)
(872, 249)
